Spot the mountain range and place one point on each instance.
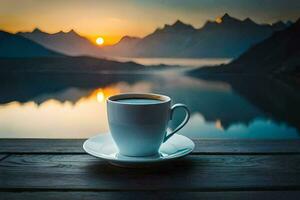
(278, 54)
(19, 54)
(229, 37)
(69, 43)
(12, 45)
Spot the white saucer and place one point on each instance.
(102, 146)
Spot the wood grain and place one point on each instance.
(250, 195)
(247, 146)
(41, 145)
(2, 156)
(195, 172)
(202, 146)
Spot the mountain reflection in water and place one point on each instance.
(73, 106)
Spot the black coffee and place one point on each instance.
(139, 101)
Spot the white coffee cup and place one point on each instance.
(138, 122)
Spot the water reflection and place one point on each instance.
(185, 62)
(259, 128)
(53, 119)
(82, 115)
(220, 108)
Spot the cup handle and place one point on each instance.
(183, 123)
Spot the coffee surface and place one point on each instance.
(139, 101)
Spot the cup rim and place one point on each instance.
(160, 97)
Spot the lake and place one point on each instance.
(185, 62)
(41, 105)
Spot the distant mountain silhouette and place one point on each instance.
(12, 45)
(19, 54)
(227, 38)
(126, 44)
(69, 43)
(165, 42)
(279, 54)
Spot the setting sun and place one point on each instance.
(100, 41)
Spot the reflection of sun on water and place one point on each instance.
(219, 125)
(100, 96)
(219, 20)
(53, 118)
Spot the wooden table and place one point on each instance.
(217, 169)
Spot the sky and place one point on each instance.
(113, 19)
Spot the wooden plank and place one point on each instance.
(253, 195)
(202, 146)
(2, 156)
(247, 146)
(41, 146)
(205, 172)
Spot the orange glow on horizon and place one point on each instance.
(107, 40)
(218, 124)
(115, 19)
(219, 20)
